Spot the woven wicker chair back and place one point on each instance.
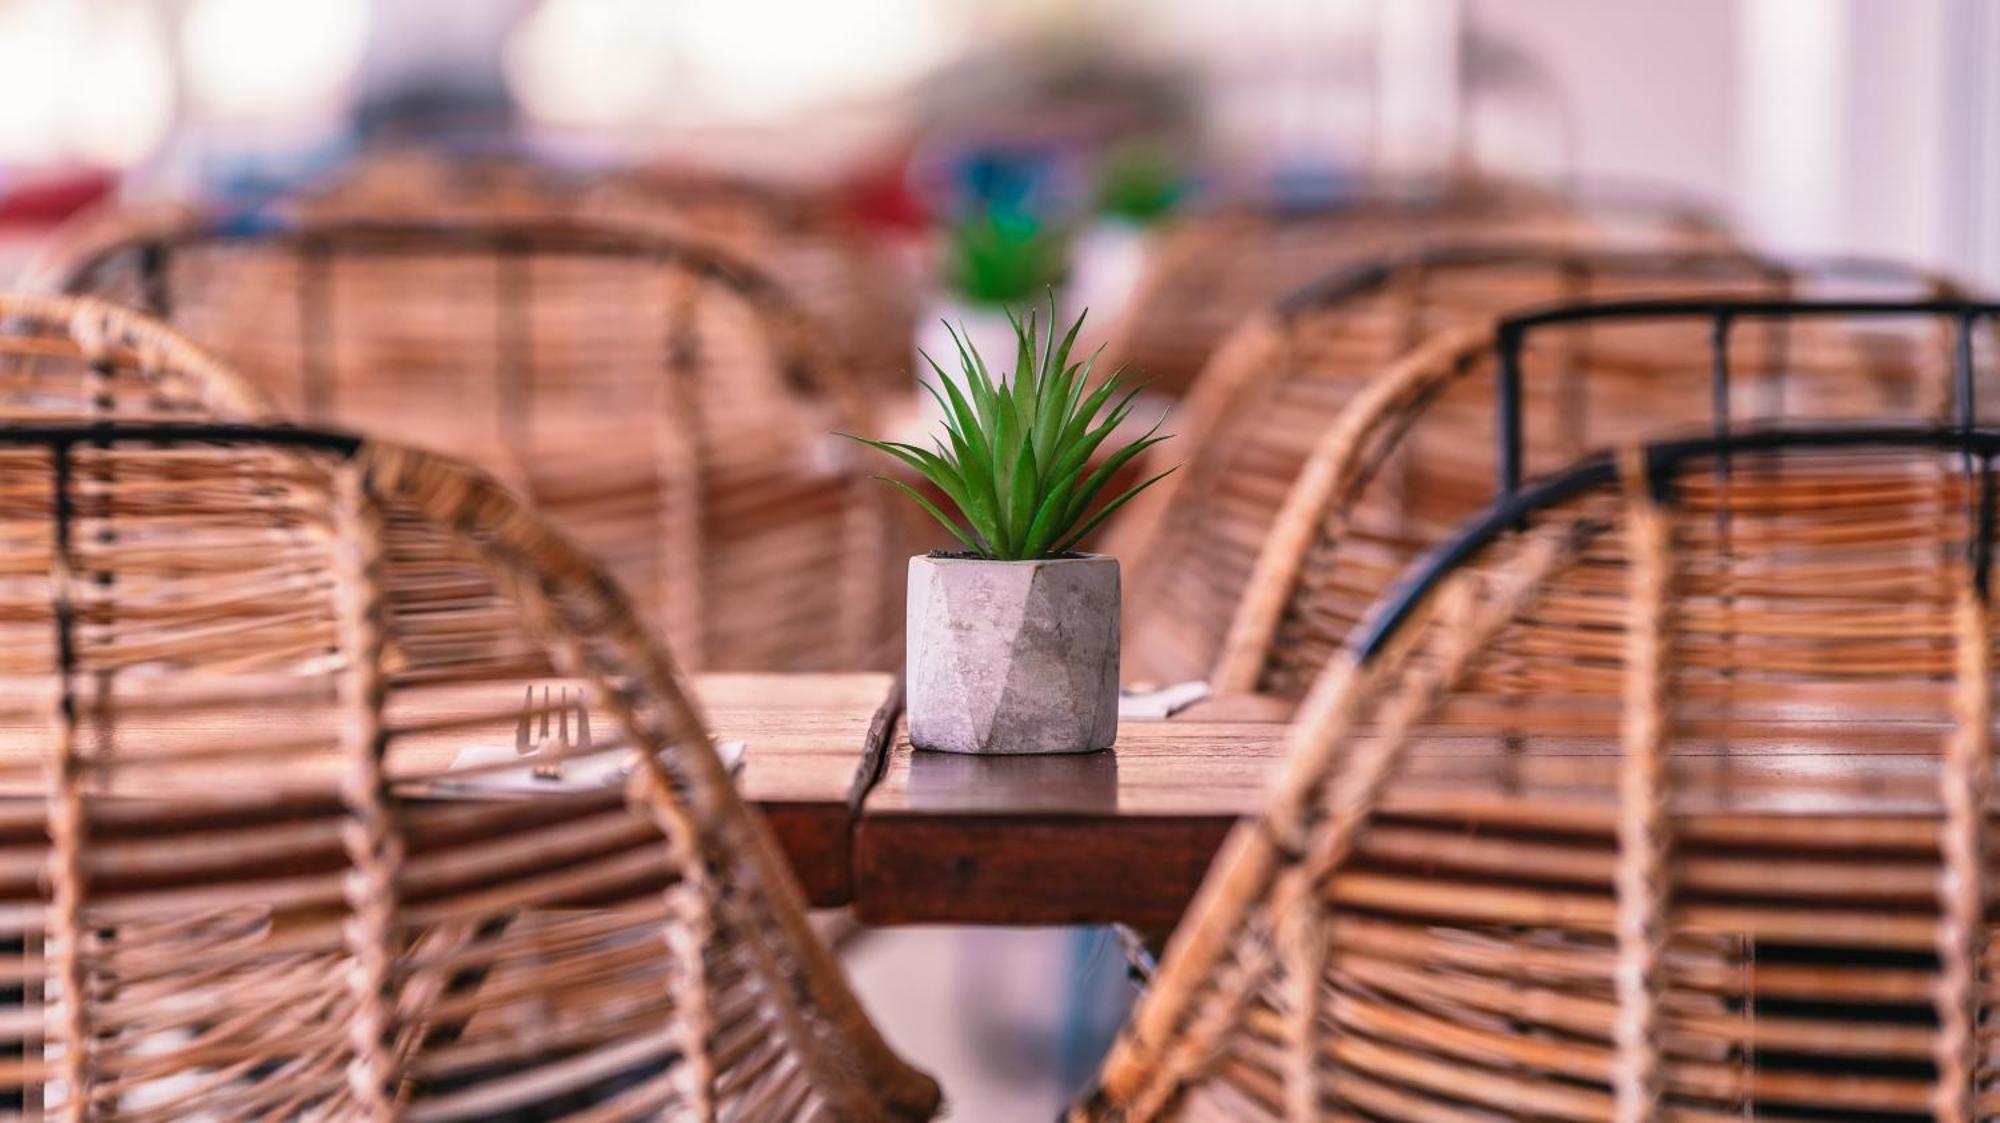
(1210, 271)
(1418, 450)
(1663, 792)
(1273, 392)
(844, 279)
(666, 403)
(800, 238)
(252, 877)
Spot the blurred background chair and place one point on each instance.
(1481, 407)
(1661, 788)
(857, 290)
(668, 404)
(802, 238)
(1274, 390)
(1209, 271)
(429, 183)
(270, 886)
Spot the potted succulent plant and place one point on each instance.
(1140, 183)
(1013, 642)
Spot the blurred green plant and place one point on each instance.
(1003, 257)
(1140, 182)
(1017, 462)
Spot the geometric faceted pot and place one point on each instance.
(1013, 657)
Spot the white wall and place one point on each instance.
(1651, 87)
(1821, 126)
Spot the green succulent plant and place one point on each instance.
(1140, 182)
(1015, 458)
(1003, 257)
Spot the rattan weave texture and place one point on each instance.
(667, 404)
(238, 664)
(1664, 791)
(1419, 449)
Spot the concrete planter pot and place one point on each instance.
(1013, 657)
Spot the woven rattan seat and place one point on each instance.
(1211, 270)
(1266, 403)
(1419, 450)
(243, 859)
(1662, 791)
(667, 404)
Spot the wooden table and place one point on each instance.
(805, 736)
(903, 837)
(1115, 837)
(811, 742)
(1105, 838)
(1124, 836)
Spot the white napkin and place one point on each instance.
(599, 770)
(1160, 704)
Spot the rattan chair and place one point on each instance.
(1211, 270)
(251, 876)
(1662, 791)
(668, 405)
(78, 358)
(1480, 407)
(800, 237)
(422, 183)
(804, 241)
(1277, 387)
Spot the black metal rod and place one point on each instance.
(1703, 307)
(1963, 381)
(1718, 385)
(283, 436)
(1720, 393)
(1507, 408)
(392, 238)
(1975, 496)
(154, 295)
(1358, 280)
(1511, 333)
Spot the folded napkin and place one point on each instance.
(599, 770)
(1160, 703)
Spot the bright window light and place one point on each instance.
(603, 63)
(38, 38)
(83, 82)
(122, 94)
(775, 57)
(260, 62)
(593, 63)
(1795, 72)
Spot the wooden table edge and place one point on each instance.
(876, 749)
(1031, 869)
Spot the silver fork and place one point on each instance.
(549, 751)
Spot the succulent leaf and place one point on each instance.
(1018, 457)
